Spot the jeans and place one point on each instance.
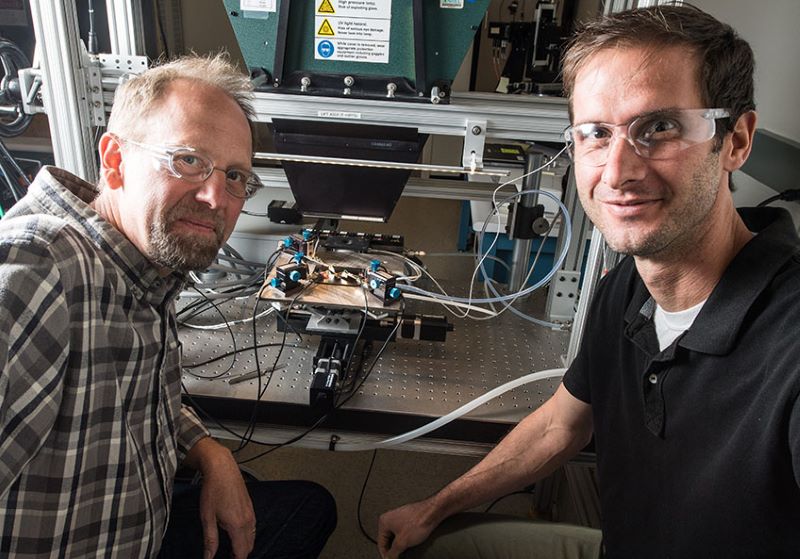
(293, 521)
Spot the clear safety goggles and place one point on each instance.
(658, 135)
(187, 163)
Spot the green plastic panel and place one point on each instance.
(448, 34)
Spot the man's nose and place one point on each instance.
(212, 190)
(623, 163)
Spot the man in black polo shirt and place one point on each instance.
(689, 372)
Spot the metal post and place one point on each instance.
(563, 291)
(64, 63)
(521, 255)
(594, 269)
(125, 27)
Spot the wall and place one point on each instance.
(770, 28)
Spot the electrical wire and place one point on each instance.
(224, 355)
(228, 324)
(526, 291)
(527, 491)
(791, 195)
(496, 206)
(233, 341)
(361, 498)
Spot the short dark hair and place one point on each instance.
(725, 60)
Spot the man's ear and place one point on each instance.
(737, 145)
(111, 165)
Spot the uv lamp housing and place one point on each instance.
(346, 192)
(311, 47)
(376, 50)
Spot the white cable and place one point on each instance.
(462, 305)
(453, 415)
(229, 323)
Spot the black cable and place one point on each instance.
(261, 390)
(358, 335)
(361, 498)
(526, 491)
(319, 421)
(230, 331)
(791, 195)
(204, 413)
(250, 429)
(293, 440)
(224, 355)
(374, 361)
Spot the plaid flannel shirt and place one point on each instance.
(91, 422)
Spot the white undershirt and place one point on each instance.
(670, 325)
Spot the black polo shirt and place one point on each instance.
(698, 446)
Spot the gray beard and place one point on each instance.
(183, 253)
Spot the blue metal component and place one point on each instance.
(374, 284)
(295, 275)
(373, 265)
(394, 293)
(299, 257)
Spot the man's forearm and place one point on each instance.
(536, 447)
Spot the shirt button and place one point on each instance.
(653, 378)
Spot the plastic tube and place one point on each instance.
(453, 415)
(556, 265)
(489, 312)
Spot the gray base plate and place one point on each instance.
(419, 378)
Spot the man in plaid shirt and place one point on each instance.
(91, 423)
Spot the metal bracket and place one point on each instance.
(30, 84)
(563, 295)
(129, 64)
(474, 140)
(96, 106)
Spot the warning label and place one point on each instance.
(325, 28)
(353, 28)
(381, 9)
(326, 7)
(257, 5)
(352, 50)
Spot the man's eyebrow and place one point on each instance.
(653, 112)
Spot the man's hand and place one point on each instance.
(404, 527)
(224, 499)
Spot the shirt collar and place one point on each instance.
(68, 196)
(715, 329)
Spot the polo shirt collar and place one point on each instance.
(716, 328)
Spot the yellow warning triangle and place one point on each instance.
(325, 29)
(326, 7)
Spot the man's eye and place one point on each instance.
(188, 160)
(593, 133)
(659, 129)
(236, 176)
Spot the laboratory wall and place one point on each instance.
(770, 26)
